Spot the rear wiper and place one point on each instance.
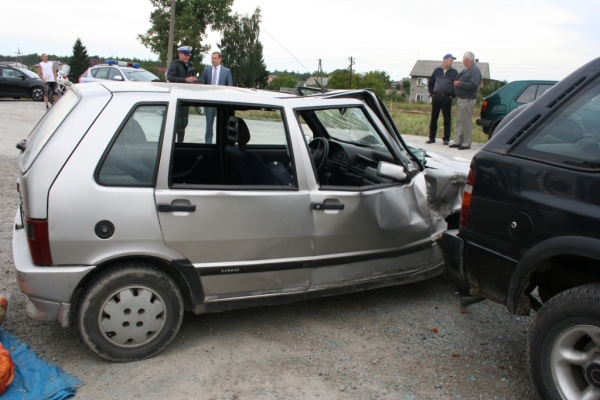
(22, 145)
(583, 164)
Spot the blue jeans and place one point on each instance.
(210, 120)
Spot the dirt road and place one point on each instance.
(409, 342)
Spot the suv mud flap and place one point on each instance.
(453, 248)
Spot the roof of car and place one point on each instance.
(118, 66)
(117, 87)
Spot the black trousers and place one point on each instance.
(443, 103)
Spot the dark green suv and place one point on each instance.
(498, 104)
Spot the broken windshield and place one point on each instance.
(350, 125)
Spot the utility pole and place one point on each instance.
(171, 30)
(352, 60)
(320, 73)
(19, 54)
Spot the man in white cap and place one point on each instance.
(182, 71)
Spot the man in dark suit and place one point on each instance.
(214, 75)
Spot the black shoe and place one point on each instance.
(446, 143)
(430, 141)
(455, 145)
(464, 147)
(47, 107)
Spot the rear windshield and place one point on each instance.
(142, 76)
(44, 130)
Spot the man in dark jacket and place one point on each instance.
(441, 90)
(182, 71)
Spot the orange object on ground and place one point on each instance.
(7, 369)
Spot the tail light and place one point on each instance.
(39, 243)
(483, 105)
(466, 200)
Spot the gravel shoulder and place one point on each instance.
(408, 342)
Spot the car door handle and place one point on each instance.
(164, 207)
(326, 206)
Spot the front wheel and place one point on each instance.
(564, 345)
(130, 312)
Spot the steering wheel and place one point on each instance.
(319, 150)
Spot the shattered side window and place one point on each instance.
(350, 125)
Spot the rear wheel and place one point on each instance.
(37, 94)
(130, 312)
(564, 345)
(492, 129)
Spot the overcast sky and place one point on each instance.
(520, 39)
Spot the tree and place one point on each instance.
(243, 52)
(340, 79)
(79, 61)
(283, 80)
(379, 81)
(192, 18)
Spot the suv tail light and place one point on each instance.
(483, 105)
(39, 243)
(466, 200)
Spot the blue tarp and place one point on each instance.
(35, 378)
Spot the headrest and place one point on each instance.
(237, 130)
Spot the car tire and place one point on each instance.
(492, 129)
(129, 312)
(564, 343)
(37, 94)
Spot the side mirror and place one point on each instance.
(391, 171)
(118, 78)
(22, 77)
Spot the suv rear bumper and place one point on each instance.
(485, 123)
(48, 289)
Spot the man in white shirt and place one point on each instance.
(47, 74)
(215, 75)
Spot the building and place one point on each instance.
(421, 72)
(317, 81)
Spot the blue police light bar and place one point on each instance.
(111, 62)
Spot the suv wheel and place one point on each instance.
(129, 312)
(37, 94)
(564, 345)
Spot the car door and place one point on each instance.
(370, 229)
(244, 241)
(13, 82)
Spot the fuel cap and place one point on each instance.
(521, 227)
(104, 229)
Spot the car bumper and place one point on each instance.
(484, 123)
(48, 289)
(453, 248)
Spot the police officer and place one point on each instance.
(182, 71)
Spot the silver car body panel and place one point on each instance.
(132, 210)
(36, 182)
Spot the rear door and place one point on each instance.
(243, 240)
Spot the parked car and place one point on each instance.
(298, 197)
(497, 105)
(19, 82)
(529, 233)
(117, 71)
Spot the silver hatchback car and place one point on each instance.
(128, 217)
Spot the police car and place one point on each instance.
(117, 71)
